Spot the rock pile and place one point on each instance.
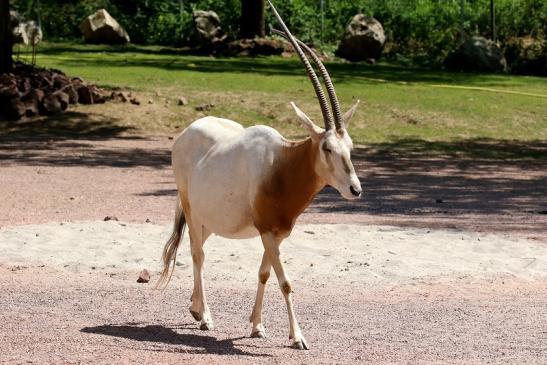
(30, 91)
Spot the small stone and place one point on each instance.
(110, 218)
(182, 101)
(150, 101)
(147, 220)
(144, 277)
(438, 201)
(205, 107)
(134, 101)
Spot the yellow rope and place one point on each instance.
(476, 88)
(490, 90)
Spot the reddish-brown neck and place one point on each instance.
(289, 188)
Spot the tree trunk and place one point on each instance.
(493, 20)
(252, 19)
(6, 61)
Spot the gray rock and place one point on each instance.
(364, 39)
(144, 276)
(477, 54)
(51, 105)
(207, 26)
(64, 99)
(100, 27)
(18, 28)
(72, 93)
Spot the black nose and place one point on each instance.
(355, 192)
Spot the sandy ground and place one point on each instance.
(443, 261)
(365, 294)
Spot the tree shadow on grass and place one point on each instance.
(199, 344)
(187, 60)
(54, 49)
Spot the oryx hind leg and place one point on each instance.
(199, 308)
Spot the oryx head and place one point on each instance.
(334, 143)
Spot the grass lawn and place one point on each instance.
(400, 106)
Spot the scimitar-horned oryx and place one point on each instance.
(243, 182)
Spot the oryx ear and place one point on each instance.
(349, 114)
(313, 129)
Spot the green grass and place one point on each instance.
(398, 104)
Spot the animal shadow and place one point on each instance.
(200, 344)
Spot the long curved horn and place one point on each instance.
(338, 120)
(329, 124)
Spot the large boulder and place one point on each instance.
(18, 28)
(477, 54)
(364, 39)
(207, 27)
(100, 27)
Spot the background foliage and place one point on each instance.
(424, 30)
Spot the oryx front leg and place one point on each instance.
(199, 308)
(271, 247)
(256, 315)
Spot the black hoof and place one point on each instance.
(206, 327)
(300, 345)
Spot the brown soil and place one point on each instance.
(73, 179)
